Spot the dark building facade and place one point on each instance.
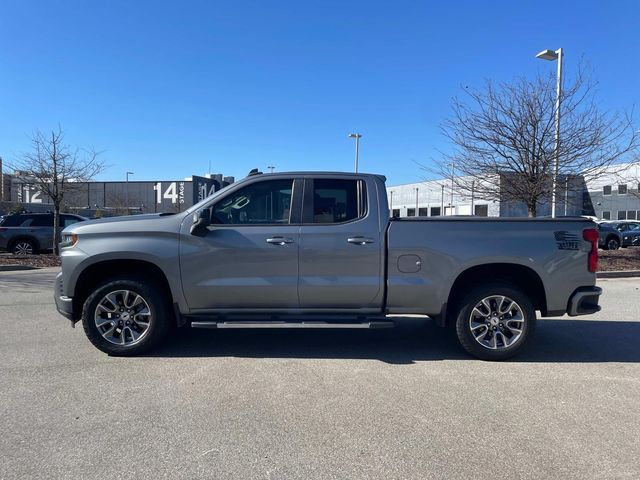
(119, 197)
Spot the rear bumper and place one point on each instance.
(64, 304)
(584, 301)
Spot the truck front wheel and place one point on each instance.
(126, 317)
(494, 321)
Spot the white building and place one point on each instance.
(437, 197)
(615, 195)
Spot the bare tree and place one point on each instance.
(503, 139)
(55, 169)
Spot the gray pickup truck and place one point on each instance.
(318, 250)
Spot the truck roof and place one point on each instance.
(324, 173)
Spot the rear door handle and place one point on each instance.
(279, 240)
(359, 240)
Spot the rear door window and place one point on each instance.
(338, 200)
(42, 221)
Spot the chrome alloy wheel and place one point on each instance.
(123, 317)
(496, 322)
(23, 248)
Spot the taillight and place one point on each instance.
(3, 229)
(591, 235)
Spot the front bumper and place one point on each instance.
(64, 304)
(584, 301)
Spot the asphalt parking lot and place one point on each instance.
(382, 404)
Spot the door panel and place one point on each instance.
(340, 248)
(251, 261)
(236, 267)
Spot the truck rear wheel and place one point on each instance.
(126, 317)
(494, 321)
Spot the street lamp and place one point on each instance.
(555, 55)
(126, 192)
(357, 136)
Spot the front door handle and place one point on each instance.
(359, 240)
(279, 240)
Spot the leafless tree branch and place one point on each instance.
(503, 138)
(57, 169)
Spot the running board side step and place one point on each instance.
(278, 324)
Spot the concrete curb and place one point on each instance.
(620, 274)
(14, 268)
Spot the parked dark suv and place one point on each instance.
(28, 233)
(614, 235)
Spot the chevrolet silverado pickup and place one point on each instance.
(318, 250)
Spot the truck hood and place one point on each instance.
(133, 223)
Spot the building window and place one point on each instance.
(423, 212)
(411, 212)
(606, 215)
(631, 215)
(435, 211)
(481, 210)
(622, 189)
(395, 213)
(606, 190)
(622, 215)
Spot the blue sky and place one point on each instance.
(162, 88)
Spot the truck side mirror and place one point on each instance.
(201, 220)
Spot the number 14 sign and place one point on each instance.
(174, 192)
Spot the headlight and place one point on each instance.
(68, 240)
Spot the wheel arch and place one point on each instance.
(613, 236)
(520, 276)
(97, 272)
(30, 238)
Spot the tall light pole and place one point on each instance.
(453, 166)
(1, 182)
(357, 136)
(555, 55)
(271, 168)
(126, 192)
(473, 186)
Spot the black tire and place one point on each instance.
(612, 243)
(463, 312)
(160, 318)
(24, 246)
